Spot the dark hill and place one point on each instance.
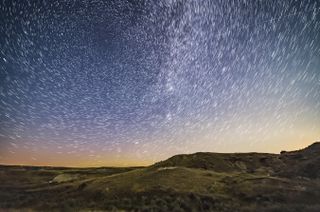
(302, 163)
(299, 163)
(223, 162)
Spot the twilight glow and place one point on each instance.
(118, 83)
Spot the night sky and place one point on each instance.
(119, 83)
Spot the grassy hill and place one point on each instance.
(289, 181)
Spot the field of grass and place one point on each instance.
(197, 182)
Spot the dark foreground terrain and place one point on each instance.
(289, 181)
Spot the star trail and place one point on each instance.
(94, 83)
